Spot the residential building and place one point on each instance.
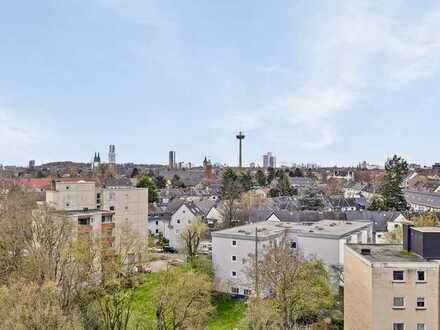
(421, 201)
(182, 214)
(387, 287)
(325, 240)
(128, 205)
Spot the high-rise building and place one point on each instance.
(172, 159)
(31, 164)
(269, 160)
(111, 154)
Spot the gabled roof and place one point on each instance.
(205, 205)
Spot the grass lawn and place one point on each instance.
(227, 313)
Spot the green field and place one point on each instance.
(227, 313)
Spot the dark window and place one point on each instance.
(112, 208)
(247, 292)
(234, 243)
(398, 275)
(398, 326)
(157, 231)
(293, 245)
(157, 223)
(235, 290)
(421, 275)
(178, 221)
(420, 302)
(234, 274)
(234, 258)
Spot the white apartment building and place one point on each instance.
(325, 240)
(128, 205)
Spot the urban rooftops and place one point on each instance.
(266, 230)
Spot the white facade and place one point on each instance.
(183, 217)
(324, 240)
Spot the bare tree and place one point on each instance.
(298, 289)
(192, 235)
(182, 301)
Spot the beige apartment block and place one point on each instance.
(72, 196)
(128, 205)
(386, 287)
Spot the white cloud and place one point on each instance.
(355, 51)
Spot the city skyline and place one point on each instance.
(328, 82)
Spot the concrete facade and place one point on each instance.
(128, 205)
(370, 289)
(323, 240)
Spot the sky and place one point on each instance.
(330, 82)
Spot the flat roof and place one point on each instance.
(268, 229)
(427, 229)
(386, 253)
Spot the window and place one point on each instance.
(234, 273)
(420, 303)
(112, 208)
(421, 276)
(67, 187)
(67, 205)
(398, 276)
(178, 221)
(157, 223)
(247, 292)
(398, 326)
(398, 302)
(420, 326)
(235, 290)
(157, 231)
(126, 207)
(234, 243)
(293, 245)
(234, 258)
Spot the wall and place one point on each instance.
(358, 299)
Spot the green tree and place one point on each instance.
(270, 174)
(176, 182)
(260, 178)
(147, 182)
(392, 198)
(160, 181)
(231, 190)
(246, 181)
(298, 172)
(310, 201)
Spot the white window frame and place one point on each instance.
(232, 258)
(234, 241)
(237, 289)
(232, 274)
(399, 307)
(404, 276)
(403, 323)
(424, 303)
(424, 326)
(417, 276)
